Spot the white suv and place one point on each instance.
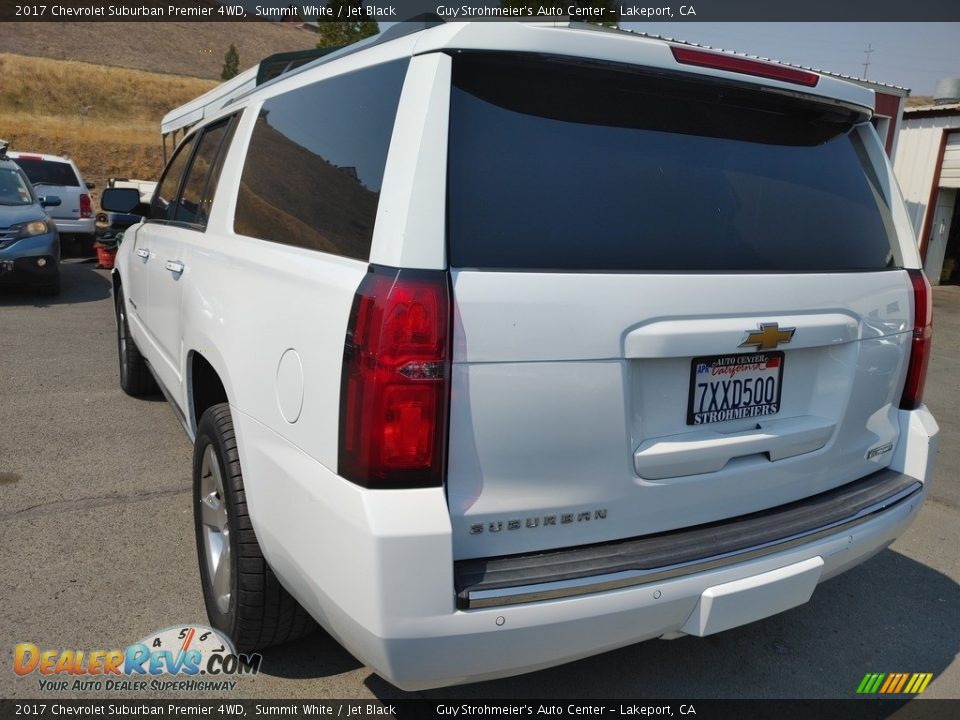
(502, 345)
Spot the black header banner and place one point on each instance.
(606, 11)
(50, 707)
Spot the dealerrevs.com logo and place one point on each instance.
(185, 658)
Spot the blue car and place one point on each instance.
(29, 244)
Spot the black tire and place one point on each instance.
(135, 377)
(259, 611)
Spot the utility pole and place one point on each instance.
(866, 59)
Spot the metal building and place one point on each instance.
(927, 167)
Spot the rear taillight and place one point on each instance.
(746, 66)
(394, 393)
(86, 207)
(920, 344)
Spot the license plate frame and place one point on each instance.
(704, 407)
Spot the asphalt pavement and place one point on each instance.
(98, 550)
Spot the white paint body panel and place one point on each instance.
(558, 381)
(552, 399)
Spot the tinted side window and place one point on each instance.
(197, 194)
(315, 163)
(163, 207)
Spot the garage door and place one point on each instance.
(950, 171)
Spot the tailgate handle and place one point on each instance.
(706, 451)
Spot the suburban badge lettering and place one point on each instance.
(538, 521)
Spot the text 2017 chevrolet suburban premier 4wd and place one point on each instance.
(503, 345)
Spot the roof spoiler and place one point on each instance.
(279, 64)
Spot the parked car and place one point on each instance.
(503, 345)
(59, 175)
(29, 246)
(109, 223)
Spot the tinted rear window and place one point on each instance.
(555, 165)
(49, 172)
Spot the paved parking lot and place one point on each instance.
(97, 544)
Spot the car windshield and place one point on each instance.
(14, 188)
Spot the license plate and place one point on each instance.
(733, 387)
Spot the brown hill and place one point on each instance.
(195, 49)
(106, 118)
(97, 91)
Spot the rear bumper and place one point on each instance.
(474, 645)
(376, 569)
(79, 226)
(496, 582)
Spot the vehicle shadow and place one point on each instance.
(317, 655)
(80, 281)
(891, 614)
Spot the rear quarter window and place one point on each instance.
(315, 162)
(560, 165)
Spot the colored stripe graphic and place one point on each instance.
(891, 680)
(870, 683)
(894, 683)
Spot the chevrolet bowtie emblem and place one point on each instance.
(768, 337)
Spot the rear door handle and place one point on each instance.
(144, 253)
(174, 266)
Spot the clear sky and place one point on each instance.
(913, 55)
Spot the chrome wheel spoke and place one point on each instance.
(216, 528)
(210, 512)
(221, 577)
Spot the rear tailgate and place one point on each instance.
(676, 301)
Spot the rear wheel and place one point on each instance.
(244, 599)
(135, 377)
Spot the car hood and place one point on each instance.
(16, 214)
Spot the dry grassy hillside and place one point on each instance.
(97, 91)
(195, 49)
(107, 119)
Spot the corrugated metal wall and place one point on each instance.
(950, 170)
(917, 152)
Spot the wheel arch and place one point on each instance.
(206, 385)
(116, 282)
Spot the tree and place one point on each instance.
(338, 34)
(231, 63)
